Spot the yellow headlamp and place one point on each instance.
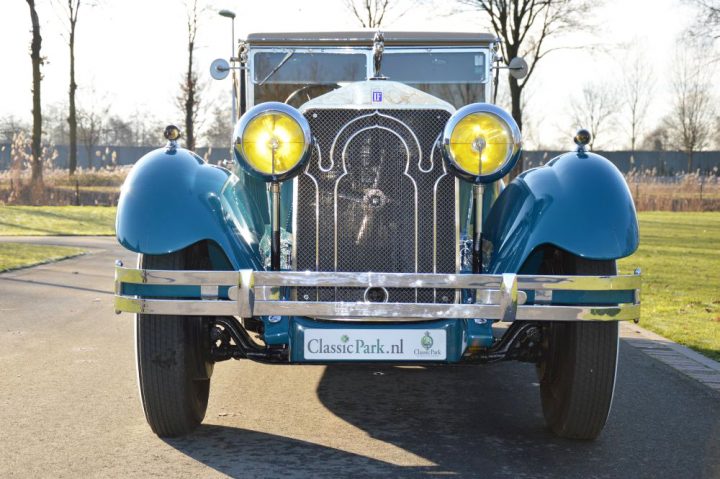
(481, 143)
(272, 140)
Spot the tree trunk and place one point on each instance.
(72, 116)
(515, 95)
(35, 45)
(690, 161)
(190, 101)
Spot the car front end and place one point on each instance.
(367, 220)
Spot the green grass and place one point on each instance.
(20, 255)
(56, 220)
(680, 259)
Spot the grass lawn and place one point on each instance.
(56, 220)
(680, 259)
(17, 255)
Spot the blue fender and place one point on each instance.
(578, 202)
(172, 199)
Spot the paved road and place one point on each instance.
(69, 406)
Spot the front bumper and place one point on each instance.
(506, 297)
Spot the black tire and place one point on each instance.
(172, 362)
(577, 372)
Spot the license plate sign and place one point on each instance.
(375, 344)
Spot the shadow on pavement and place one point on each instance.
(484, 422)
(251, 454)
(57, 285)
(29, 228)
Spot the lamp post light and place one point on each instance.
(231, 15)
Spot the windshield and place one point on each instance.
(309, 67)
(456, 77)
(296, 76)
(435, 67)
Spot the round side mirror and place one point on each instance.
(219, 69)
(518, 68)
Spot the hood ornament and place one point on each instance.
(378, 48)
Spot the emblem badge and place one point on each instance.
(426, 341)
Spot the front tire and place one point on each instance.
(579, 365)
(172, 361)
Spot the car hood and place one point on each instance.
(377, 94)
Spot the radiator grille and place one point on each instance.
(375, 197)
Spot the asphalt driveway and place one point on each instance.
(69, 405)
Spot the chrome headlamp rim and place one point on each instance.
(511, 158)
(263, 109)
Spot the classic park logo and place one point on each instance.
(376, 345)
(427, 341)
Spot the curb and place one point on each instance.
(678, 357)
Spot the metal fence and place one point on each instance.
(651, 163)
(103, 156)
(655, 163)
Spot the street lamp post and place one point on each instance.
(231, 15)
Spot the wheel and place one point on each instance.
(172, 361)
(577, 372)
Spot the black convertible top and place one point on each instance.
(366, 38)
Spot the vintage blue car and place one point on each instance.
(365, 219)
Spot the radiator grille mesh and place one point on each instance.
(375, 197)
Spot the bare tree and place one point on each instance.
(370, 13)
(594, 108)
(219, 132)
(525, 28)
(145, 129)
(91, 128)
(708, 19)
(119, 132)
(690, 122)
(55, 123)
(37, 61)
(657, 140)
(636, 92)
(73, 7)
(10, 126)
(189, 99)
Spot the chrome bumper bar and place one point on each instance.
(500, 297)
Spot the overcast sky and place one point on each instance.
(131, 53)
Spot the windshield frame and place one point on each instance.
(367, 51)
